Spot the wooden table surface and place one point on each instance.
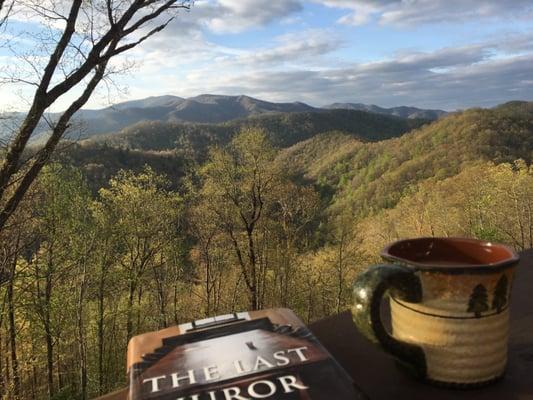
(376, 374)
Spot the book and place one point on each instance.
(267, 354)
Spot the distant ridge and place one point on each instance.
(149, 102)
(205, 108)
(401, 111)
(214, 109)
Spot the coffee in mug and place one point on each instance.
(449, 301)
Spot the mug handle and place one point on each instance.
(369, 289)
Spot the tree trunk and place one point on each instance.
(33, 371)
(285, 275)
(129, 322)
(81, 335)
(50, 361)
(218, 291)
(139, 299)
(100, 333)
(12, 339)
(207, 261)
(59, 369)
(159, 277)
(235, 292)
(340, 271)
(2, 376)
(8, 374)
(176, 317)
(254, 295)
(254, 299)
(48, 334)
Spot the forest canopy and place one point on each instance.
(100, 251)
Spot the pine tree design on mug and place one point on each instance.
(478, 302)
(500, 294)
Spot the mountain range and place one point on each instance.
(205, 108)
(341, 150)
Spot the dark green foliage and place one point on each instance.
(488, 233)
(99, 162)
(351, 164)
(287, 129)
(402, 111)
(193, 139)
(478, 302)
(284, 130)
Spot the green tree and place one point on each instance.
(295, 210)
(145, 216)
(239, 183)
(56, 273)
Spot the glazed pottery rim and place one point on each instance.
(428, 266)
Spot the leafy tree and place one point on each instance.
(145, 217)
(238, 187)
(61, 257)
(486, 201)
(381, 173)
(294, 212)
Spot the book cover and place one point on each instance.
(268, 354)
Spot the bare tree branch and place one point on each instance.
(45, 153)
(130, 46)
(93, 33)
(6, 10)
(20, 141)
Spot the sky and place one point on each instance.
(445, 54)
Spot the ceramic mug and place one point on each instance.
(449, 301)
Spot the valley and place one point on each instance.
(163, 222)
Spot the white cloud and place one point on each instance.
(306, 46)
(412, 12)
(190, 57)
(237, 16)
(447, 78)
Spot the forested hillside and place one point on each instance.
(99, 162)
(372, 176)
(173, 148)
(163, 223)
(283, 129)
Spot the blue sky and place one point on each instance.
(448, 54)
